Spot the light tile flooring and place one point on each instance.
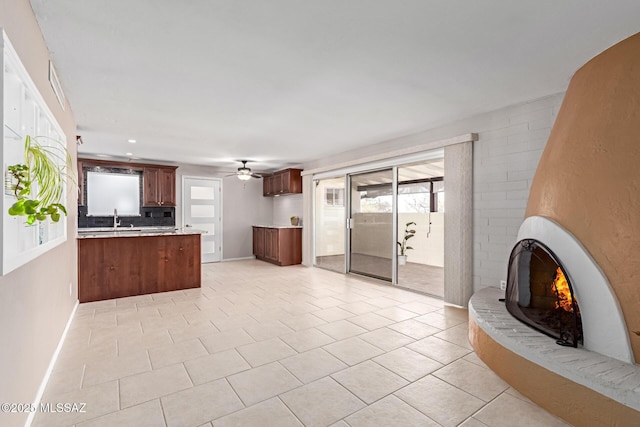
(260, 345)
(427, 279)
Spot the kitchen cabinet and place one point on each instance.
(272, 244)
(158, 182)
(116, 267)
(159, 186)
(258, 241)
(278, 245)
(288, 181)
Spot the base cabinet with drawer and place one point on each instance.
(278, 245)
(119, 267)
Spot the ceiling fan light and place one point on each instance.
(244, 177)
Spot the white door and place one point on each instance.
(201, 201)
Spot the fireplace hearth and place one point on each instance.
(572, 232)
(540, 294)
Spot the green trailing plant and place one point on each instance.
(408, 234)
(38, 184)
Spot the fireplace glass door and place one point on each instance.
(539, 293)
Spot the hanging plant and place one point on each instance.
(38, 184)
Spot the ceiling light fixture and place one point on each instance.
(244, 173)
(131, 141)
(128, 154)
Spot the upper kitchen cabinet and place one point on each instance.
(288, 181)
(159, 186)
(158, 182)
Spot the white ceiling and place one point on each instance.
(283, 82)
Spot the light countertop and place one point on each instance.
(108, 232)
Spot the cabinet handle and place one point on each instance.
(181, 249)
(111, 268)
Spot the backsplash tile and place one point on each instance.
(150, 217)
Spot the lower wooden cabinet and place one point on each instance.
(125, 266)
(280, 246)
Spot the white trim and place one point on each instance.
(604, 328)
(56, 86)
(207, 178)
(364, 165)
(390, 158)
(12, 259)
(239, 259)
(47, 375)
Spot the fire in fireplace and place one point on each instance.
(539, 293)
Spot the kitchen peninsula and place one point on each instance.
(115, 263)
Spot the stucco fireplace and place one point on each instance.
(582, 227)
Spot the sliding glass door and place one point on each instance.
(421, 227)
(371, 243)
(330, 202)
(386, 222)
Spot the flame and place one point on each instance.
(561, 290)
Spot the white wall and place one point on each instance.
(505, 157)
(242, 207)
(35, 302)
(284, 207)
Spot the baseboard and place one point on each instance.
(239, 259)
(47, 375)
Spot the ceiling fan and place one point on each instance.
(244, 173)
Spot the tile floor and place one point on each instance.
(260, 345)
(427, 279)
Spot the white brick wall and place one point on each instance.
(505, 158)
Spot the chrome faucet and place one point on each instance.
(116, 223)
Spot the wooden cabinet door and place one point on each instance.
(294, 181)
(107, 268)
(271, 244)
(284, 182)
(150, 195)
(278, 183)
(159, 187)
(167, 187)
(265, 186)
(290, 246)
(178, 264)
(258, 241)
(268, 185)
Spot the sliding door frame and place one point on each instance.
(458, 155)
